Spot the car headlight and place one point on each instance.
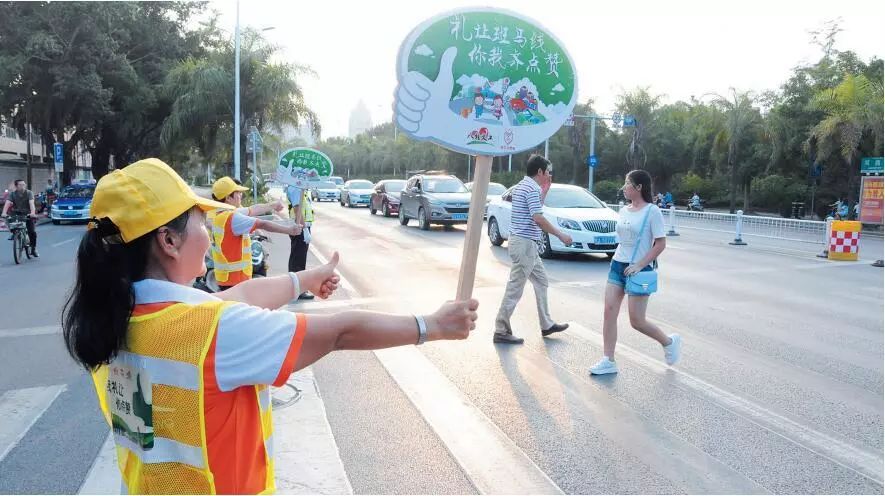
(434, 202)
(568, 224)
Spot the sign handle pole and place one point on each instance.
(481, 175)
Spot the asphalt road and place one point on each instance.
(780, 389)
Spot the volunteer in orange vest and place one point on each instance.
(181, 375)
(231, 246)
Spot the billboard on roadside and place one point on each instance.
(871, 200)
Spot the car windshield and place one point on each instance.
(447, 185)
(325, 185)
(394, 186)
(496, 189)
(77, 192)
(359, 185)
(571, 198)
(337, 180)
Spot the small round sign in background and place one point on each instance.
(301, 166)
(483, 82)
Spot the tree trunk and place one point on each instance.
(747, 184)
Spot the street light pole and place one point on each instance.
(237, 95)
(592, 150)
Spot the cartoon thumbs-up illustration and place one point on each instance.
(422, 105)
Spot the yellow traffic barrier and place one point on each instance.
(844, 240)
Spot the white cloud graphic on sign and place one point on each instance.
(559, 87)
(423, 50)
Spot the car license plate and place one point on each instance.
(605, 240)
(459, 216)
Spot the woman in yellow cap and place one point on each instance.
(182, 376)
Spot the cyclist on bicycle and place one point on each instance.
(21, 201)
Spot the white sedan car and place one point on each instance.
(571, 208)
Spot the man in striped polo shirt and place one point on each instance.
(527, 222)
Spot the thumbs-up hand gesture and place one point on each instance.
(422, 105)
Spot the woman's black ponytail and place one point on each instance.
(96, 315)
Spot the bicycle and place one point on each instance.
(21, 242)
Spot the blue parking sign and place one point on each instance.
(58, 148)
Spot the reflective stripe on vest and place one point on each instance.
(165, 353)
(224, 268)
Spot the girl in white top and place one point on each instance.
(648, 245)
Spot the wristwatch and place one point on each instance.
(422, 329)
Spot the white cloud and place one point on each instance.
(423, 50)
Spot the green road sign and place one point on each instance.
(871, 165)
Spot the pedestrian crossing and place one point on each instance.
(485, 444)
(308, 460)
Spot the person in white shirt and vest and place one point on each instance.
(302, 212)
(231, 244)
(527, 222)
(182, 376)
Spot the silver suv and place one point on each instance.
(434, 199)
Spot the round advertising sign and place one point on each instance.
(301, 166)
(483, 81)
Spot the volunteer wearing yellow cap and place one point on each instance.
(181, 375)
(231, 245)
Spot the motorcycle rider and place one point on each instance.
(695, 202)
(231, 244)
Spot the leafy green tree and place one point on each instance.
(740, 115)
(852, 123)
(201, 91)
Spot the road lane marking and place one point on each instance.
(56, 245)
(19, 411)
(865, 462)
(306, 306)
(491, 460)
(104, 475)
(307, 457)
(29, 331)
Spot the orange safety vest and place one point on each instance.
(152, 394)
(238, 268)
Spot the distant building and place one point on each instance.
(14, 153)
(302, 132)
(360, 120)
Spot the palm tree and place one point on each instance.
(853, 112)
(642, 105)
(739, 116)
(202, 94)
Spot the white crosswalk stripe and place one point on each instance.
(19, 410)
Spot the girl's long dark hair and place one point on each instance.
(96, 315)
(642, 178)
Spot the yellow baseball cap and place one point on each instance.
(225, 186)
(144, 196)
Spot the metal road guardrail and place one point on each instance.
(797, 230)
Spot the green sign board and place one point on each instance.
(301, 166)
(872, 165)
(483, 81)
